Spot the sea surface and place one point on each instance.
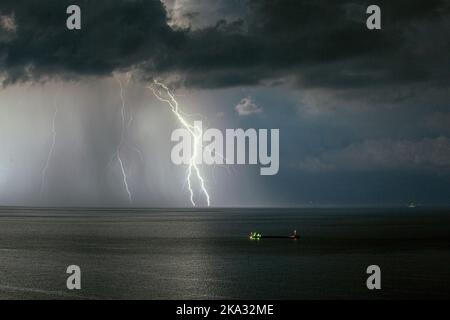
(206, 254)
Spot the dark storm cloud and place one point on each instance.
(115, 34)
(318, 43)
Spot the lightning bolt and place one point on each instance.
(122, 139)
(52, 147)
(130, 121)
(158, 89)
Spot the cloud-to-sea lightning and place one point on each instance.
(159, 90)
(52, 147)
(121, 141)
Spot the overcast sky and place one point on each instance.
(364, 116)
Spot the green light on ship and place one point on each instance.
(255, 236)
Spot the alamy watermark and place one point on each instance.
(237, 146)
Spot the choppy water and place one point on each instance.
(186, 254)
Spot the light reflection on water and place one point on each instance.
(185, 254)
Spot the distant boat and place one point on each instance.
(412, 205)
(257, 236)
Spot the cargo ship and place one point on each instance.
(258, 235)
